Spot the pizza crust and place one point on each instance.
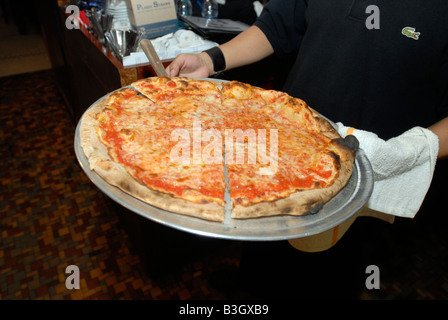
(304, 201)
(325, 127)
(298, 203)
(116, 175)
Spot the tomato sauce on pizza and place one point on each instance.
(170, 141)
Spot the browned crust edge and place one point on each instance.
(298, 203)
(301, 202)
(116, 175)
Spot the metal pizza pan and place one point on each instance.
(339, 209)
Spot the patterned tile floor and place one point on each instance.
(52, 216)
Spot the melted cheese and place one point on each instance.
(289, 154)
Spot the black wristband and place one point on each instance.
(219, 62)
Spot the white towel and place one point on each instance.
(168, 47)
(403, 168)
(185, 37)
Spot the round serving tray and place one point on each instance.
(343, 206)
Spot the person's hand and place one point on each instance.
(403, 167)
(191, 65)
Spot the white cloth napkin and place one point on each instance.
(177, 41)
(187, 38)
(181, 41)
(403, 168)
(171, 45)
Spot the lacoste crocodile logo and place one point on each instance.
(410, 33)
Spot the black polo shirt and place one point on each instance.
(384, 80)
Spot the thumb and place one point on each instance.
(173, 70)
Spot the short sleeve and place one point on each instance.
(283, 23)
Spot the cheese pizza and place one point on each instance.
(179, 144)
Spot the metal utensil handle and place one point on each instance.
(151, 53)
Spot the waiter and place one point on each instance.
(377, 67)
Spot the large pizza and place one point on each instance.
(203, 148)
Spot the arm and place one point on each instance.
(441, 130)
(248, 47)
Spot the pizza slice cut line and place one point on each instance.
(249, 190)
